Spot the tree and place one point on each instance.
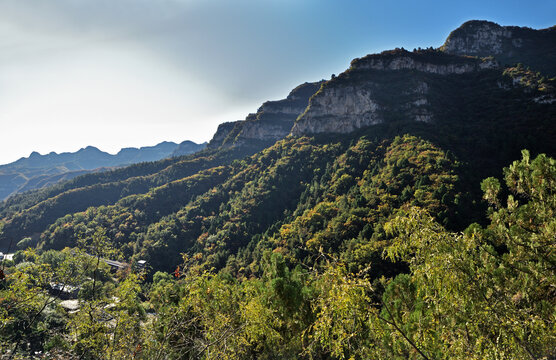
(24, 243)
(487, 293)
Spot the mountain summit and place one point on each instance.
(427, 85)
(508, 44)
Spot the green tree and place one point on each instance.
(487, 293)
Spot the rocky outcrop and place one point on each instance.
(425, 61)
(390, 86)
(394, 85)
(272, 121)
(221, 134)
(508, 44)
(480, 38)
(339, 109)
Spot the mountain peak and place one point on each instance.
(90, 149)
(480, 37)
(508, 44)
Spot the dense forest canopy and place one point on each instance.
(484, 293)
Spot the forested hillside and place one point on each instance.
(368, 231)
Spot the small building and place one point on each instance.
(116, 265)
(64, 291)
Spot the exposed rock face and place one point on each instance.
(508, 44)
(481, 37)
(412, 61)
(394, 85)
(339, 109)
(272, 121)
(222, 132)
(389, 86)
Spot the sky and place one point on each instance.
(131, 73)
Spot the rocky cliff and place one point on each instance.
(390, 86)
(396, 85)
(272, 121)
(424, 61)
(508, 44)
(221, 134)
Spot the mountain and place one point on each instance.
(345, 221)
(37, 171)
(385, 87)
(476, 109)
(272, 121)
(187, 147)
(510, 45)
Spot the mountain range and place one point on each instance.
(404, 209)
(480, 98)
(37, 171)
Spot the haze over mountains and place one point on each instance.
(38, 170)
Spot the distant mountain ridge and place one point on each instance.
(187, 147)
(38, 170)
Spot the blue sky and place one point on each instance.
(119, 73)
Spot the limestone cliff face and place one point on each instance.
(222, 132)
(390, 86)
(339, 109)
(482, 37)
(272, 121)
(508, 44)
(404, 60)
(397, 85)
